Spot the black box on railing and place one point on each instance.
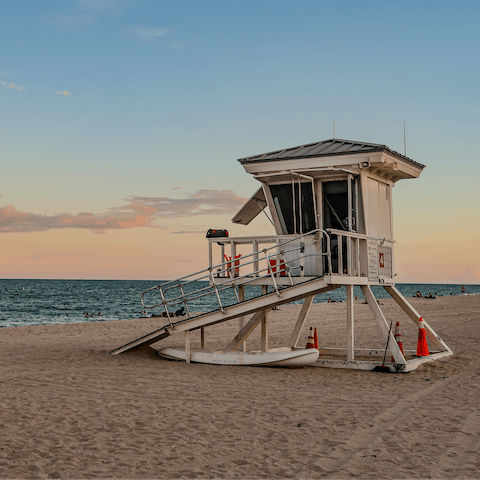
(217, 233)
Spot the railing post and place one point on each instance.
(233, 252)
(287, 267)
(329, 254)
(358, 257)
(185, 300)
(349, 255)
(210, 254)
(165, 305)
(255, 257)
(270, 269)
(222, 253)
(216, 291)
(340, 254)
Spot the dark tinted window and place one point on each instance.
(298, 216)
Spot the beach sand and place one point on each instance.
(70, 410)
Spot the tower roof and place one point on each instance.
(324, 148)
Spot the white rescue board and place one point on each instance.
(279, 357)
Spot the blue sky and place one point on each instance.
(102, 100)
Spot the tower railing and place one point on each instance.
(284, 260)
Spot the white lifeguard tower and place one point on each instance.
(330, 203)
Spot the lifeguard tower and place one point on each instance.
(330, 203)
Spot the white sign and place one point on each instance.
(372, 260)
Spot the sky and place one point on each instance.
(121, 123)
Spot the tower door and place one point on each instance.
(340, 213)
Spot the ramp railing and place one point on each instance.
(284, 259)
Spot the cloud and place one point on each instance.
(145, 33)
(203, 202)
(64, 93)
(177, 188)
(177, 45)
(139, 212)
(12, 85)
(99, 5)
(72, 22)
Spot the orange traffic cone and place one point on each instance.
(310, 341)
(315, 339)
(398, 338)
(422, 347)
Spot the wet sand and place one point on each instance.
(70, 410)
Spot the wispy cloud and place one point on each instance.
(139, 212)
(146, 33)
(177, 188)
(203, 202)
(177, 45)
(99, 5)
(13, 85)
(72, 22)
(182, 232)
(65, 93)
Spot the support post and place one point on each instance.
(188, 351)
(377, 313)
(300, 321)
(350, 324)
(241, 336)
(414, 315)
(241, 320)
(202, 337)
(264, 324)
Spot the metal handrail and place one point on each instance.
(215, 287)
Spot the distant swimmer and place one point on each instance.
(463, 288)
(99, 314)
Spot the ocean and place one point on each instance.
(41, 302)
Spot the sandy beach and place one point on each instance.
(70, 410)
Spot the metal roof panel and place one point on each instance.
(333, 146)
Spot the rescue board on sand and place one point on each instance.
(280, 357)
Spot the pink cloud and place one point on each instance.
(139, 212)
(13, 85)
(203, 202)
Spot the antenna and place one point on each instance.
(405, 138)
(334, 129)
